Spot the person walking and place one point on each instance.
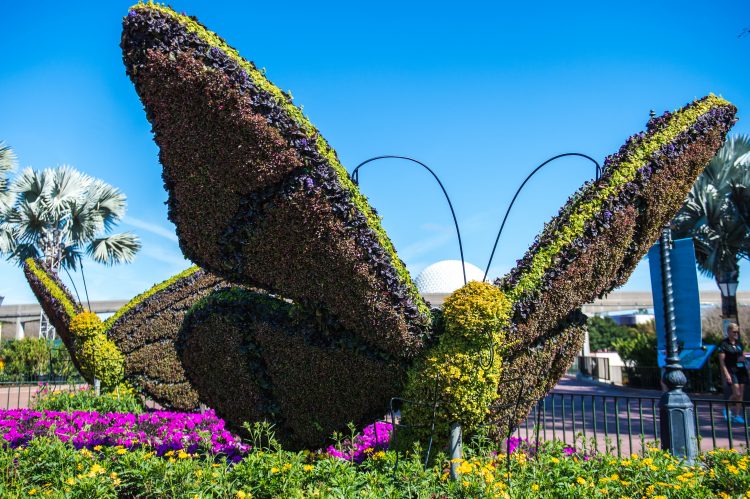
(733, 370)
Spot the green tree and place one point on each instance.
(716, 212)
(58, 214)
(604, 332)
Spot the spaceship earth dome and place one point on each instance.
(445, 277)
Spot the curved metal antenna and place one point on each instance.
(80, 261)
(355, 179)
(505, 218)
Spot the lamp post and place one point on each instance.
(676, 411)
(728, 286)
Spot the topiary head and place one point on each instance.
(476, 310)
(86, 325)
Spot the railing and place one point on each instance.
(624, 424)
(595, 367)
(648, 377)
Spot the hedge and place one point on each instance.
(145, 330)
(255, 357)
(289, 214)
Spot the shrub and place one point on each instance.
(604, 332)
(292, 215)
(121, 398)
(25, 358)
(457, 382)
(282, 369)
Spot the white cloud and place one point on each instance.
(151, 227)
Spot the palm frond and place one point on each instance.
(116, 248)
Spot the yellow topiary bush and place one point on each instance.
(98, 356)
(86, 325)
(460, 372)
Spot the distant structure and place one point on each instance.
(22, 321)
(439, 280)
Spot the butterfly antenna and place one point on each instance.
(598, 174)
(355, 179)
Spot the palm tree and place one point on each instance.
(58, 214)
(716, 215)
(7, 165)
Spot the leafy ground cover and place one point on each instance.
(46, 464)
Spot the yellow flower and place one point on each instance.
(121, 451)
(555, 460)
(534, 487)
(581, 480)
(172, 460)
(97, 447)
(308, 467)
(32, 492)
(241, 495)
(113, 475)
(274, 470)
(465, 483)
(169, 453)
(183, 455)
(286, 467)
(96, 469)
(378, 455)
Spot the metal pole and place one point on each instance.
(676, 411)
(456, 449)
(97, 387)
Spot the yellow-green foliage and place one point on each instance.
(304, 123)
(86, 325)
(57, 293)
(98, 356)
(625, 172)
(460, 367)
(138, 299)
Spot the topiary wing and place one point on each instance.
(146, 328)
(257, 195)
(56, 301)
(254, 357)
(598, 238)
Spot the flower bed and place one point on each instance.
(47, 466)
(159, 432)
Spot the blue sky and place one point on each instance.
(481, 92)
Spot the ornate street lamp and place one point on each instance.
(728, 285)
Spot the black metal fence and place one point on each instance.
(648, 377)
(623, 425)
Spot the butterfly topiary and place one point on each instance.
(307, 317)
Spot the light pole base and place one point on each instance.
(677, 425)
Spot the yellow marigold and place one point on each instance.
(70, 481)
(308, 467)
(183, 455)
(121, 451)
(581, 480)
(286, 467)
(274, 470)
(534, 487)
